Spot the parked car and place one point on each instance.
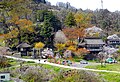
(83, 62)
(66, 62)
(44, 57)
(110, 60)
(63, 62)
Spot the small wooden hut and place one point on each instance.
(24, 48)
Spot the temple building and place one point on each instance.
(94, 45)
(113, 40)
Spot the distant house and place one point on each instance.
(94, 45)
(113, 40)
(4, 76)
(94, 31)
(24, 48)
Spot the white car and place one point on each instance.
(83, 62)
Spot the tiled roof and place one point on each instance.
(23, 45)
(114, 36)
(94, 29)
(94, 41)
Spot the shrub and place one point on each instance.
(76, 76)
(36, 74)
(60, 46)
(4, 62)
(30, 62)
(72, 48)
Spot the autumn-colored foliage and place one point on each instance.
(60, 46)
(14, 19)
(81, 52)
(74, 33)
(11, 34)
(25, 26)
(19, 30)
(72, 48)
(83, 19)
(39, 45)
(71, 43)
(22, 23)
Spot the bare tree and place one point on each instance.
(102, 57)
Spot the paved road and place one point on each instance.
(84, 65)
(53, 64)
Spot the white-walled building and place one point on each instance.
(4, 76)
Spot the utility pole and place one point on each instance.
(102, 4)
(103, 17)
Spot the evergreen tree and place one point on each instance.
(47, 28)
(70, 20)
(55, 22)
(50, 25)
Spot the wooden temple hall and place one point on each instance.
(94, 45)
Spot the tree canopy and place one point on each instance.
(70, 20)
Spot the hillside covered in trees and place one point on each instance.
(38, 21)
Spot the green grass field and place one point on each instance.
(109, 77)
(110, 67)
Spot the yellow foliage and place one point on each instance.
(82, 19)
(71, 43)
(60, 46)
(14, 19)
(14, 33)
(24, 22)
(78, 17)
(11, 34)
(39, 45)
(72, 48)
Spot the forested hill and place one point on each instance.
(103, 18)
(39, 19)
